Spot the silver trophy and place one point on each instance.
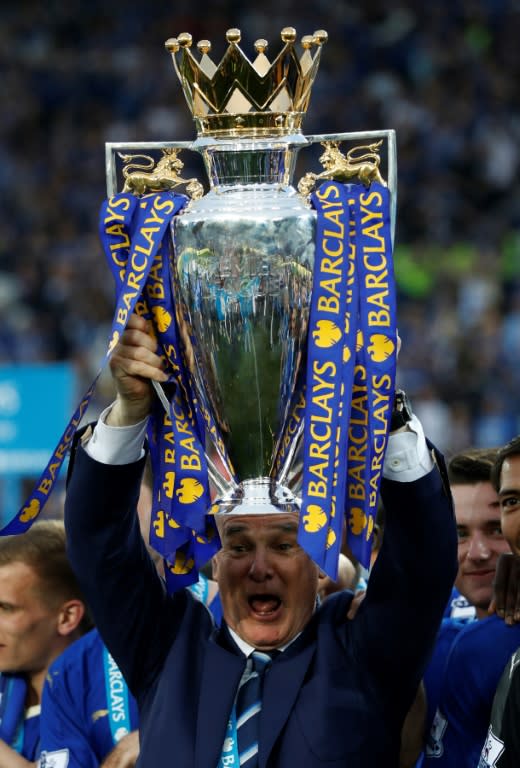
(244, 250)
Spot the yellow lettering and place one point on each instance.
(318, 488)
(326, 367)
(367, 200)
(191, 462)
(377, 281)
(354, 438)
(378, 299)
(356, 491)
(45, 486)
(326, 190)
(335, 217)
(319, 470)
(332, 252)
(381, 318)
(313, 429)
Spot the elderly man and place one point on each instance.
(338, 690)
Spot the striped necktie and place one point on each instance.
(248, 706)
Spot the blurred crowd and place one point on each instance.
(444, 75)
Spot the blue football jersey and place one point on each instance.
(19, 727)
(475, 663)
(434, 673)
(457, 614)
(459, 608)
(86, 706)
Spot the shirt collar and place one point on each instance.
(247, 649)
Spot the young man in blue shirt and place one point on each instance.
(41, 613)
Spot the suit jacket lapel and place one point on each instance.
(220, 677)
(281, 687)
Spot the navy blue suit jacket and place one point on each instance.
(338, 695)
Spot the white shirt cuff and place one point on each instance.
(116, 445)
(407, 455)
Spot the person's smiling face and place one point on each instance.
(267, 582)
(509, 495)
(481, 541)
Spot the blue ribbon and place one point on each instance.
(327, 374)
(177, 448)
(200, 589)
(132, 233)
(351, 335)
(350, 382)
(180, 495)
(179, 529)
(375, 362)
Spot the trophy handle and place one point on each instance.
(160, 169)
(353, 167)
(116, 180)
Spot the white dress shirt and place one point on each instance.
(407, 456)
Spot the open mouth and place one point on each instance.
(264, 605)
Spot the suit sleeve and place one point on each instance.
(136, 619)
(409, 585)
(470, 681)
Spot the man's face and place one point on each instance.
(509, 495)
(481, 541)
(267, 583)
(28, 626)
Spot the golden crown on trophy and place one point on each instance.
(244, 98)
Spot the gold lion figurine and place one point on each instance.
(340, 167)
(149, 177)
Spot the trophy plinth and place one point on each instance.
(258, 496)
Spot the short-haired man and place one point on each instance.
(338, 690)
(41, 613)
(502, 745)
(462, 676)
(480, 537)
